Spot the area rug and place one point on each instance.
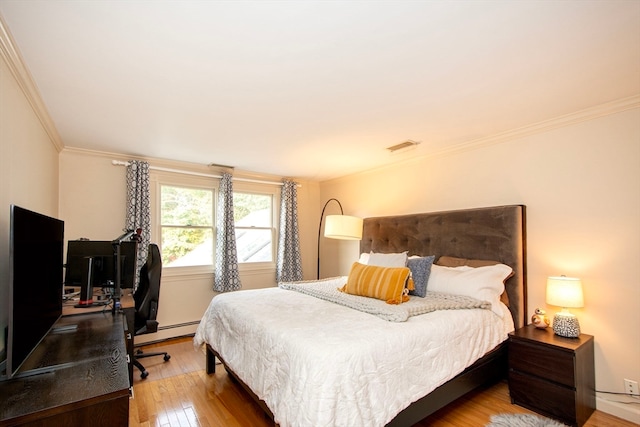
(522, 420)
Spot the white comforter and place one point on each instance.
(317, 363)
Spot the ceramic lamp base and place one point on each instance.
(566, 325)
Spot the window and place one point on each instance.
(186, 226)
(253, 217)
(184, 217)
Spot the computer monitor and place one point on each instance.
(102, 254)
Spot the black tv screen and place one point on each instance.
(35, 275)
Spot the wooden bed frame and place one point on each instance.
(494, 233)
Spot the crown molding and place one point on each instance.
(11, 55)
(177, 166)
(613, 107)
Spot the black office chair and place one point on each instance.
(146, 299)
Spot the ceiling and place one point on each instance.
(317, 89)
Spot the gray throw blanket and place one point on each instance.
(327, 290)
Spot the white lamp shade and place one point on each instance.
(565, 292)
(343, 227)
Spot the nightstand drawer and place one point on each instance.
(552, 400)
(549, 363)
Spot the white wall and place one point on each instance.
(92, 196)
(28, 171)
(581, 186)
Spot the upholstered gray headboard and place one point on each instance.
(494, 233)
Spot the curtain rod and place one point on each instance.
(257, 181)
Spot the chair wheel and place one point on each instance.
(167, 357)
(144, 374)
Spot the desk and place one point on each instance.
(74, 377)
(128, 306)
(126, 301)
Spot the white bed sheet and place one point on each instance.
(317, 363)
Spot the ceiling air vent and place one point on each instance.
(403, 145)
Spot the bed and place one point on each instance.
(314, 362)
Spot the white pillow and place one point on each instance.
(482, 283)
(388, 260)
(364, 258)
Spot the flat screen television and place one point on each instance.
(103, 256)
(35, 277)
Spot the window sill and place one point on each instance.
(208, 271)
(257, 268)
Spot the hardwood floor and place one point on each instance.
(179, 393)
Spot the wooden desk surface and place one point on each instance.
(69, 369)
(126, 301)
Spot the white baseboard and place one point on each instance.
(166, 333)
(629, 412)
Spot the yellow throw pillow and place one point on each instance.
(384, 283)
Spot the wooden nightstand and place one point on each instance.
(552, 375)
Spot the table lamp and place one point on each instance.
(565, 292)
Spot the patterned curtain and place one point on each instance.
(289, 263)
(138, 208)
(226, 277)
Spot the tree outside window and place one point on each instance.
(187, 226)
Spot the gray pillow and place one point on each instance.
(420, 271)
